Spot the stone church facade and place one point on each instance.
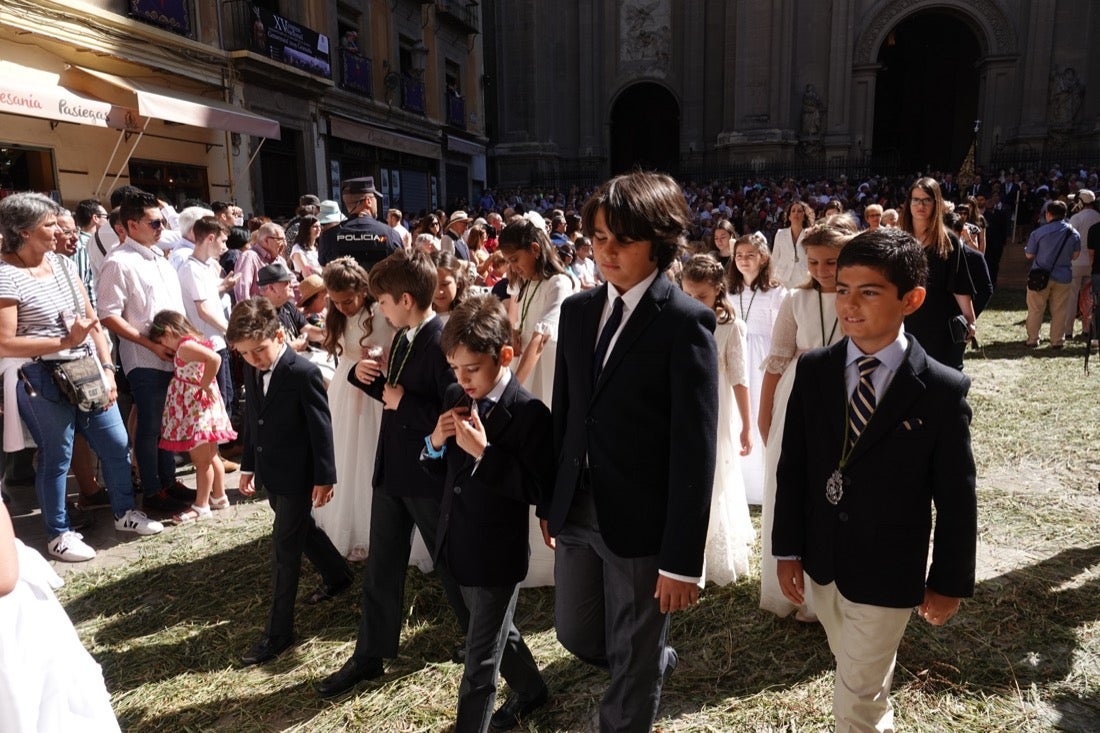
(593, 87)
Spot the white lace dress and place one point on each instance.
(807, 320)
(758, 309)
(48, 681)
(538, 311)
(356, 418)
(730, 534)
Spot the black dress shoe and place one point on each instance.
(512, 712)
(266, 649)
(351, 674)
(329, 592)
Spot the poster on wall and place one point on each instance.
(385, 181)
(395, 185)
(334, 178)
(286, 41)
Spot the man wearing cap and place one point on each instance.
(276, 284)
(268, 248)
(1081, 268)
(362, 236)
(452, 239)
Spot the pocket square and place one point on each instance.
(913, 423)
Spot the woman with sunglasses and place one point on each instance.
(950, 288)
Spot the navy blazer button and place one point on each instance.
(458, 489)
(260, 421)
(843, 516)
(259, 449)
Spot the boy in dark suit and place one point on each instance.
(411, 389)
(493, 442)
(844, 512)
(635, 427)
(288, 444)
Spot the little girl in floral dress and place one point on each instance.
(195, 419)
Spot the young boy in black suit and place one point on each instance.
(288, 444)
(411, 389)
(493, 442)
(844, 512)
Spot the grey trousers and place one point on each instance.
(606, 615)
(493, 643)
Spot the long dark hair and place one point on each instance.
(763, 282)
(521, 235)
(345, 275)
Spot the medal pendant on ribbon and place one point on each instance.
(834, 487)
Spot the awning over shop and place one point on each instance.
(168, 104)
(35, 93)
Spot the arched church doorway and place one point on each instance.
(645, 129)
(926, 94)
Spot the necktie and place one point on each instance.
(604, 341)
(862, 404)
(483, 406)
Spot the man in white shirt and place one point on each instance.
(135, 283)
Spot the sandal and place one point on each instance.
(219, 502)
(194, 514)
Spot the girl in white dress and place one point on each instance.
(354, 329)
(730, 534)
(788, 250)
(539, 285)
(807, 320)
(756, 298)
(48, 681)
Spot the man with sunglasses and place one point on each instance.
(268, 249)
(135, 283)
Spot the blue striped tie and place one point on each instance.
(862, 404)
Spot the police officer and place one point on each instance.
(362, 236)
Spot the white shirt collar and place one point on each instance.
(413, 330)
(498, 389)
(891, 356)
(631, 297)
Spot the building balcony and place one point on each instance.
(456, 112)
(171, 15)
(252, 30)
(462, 12)
(412, 94)
(356, 73)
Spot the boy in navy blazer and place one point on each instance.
(288, 445)
(411, 388)
(877, 433)
(493, 443)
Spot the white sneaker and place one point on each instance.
(70, 547)
(139, 522)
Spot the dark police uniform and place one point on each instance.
(362, 237)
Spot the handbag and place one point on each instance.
(1039, 278)
(80, 380)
